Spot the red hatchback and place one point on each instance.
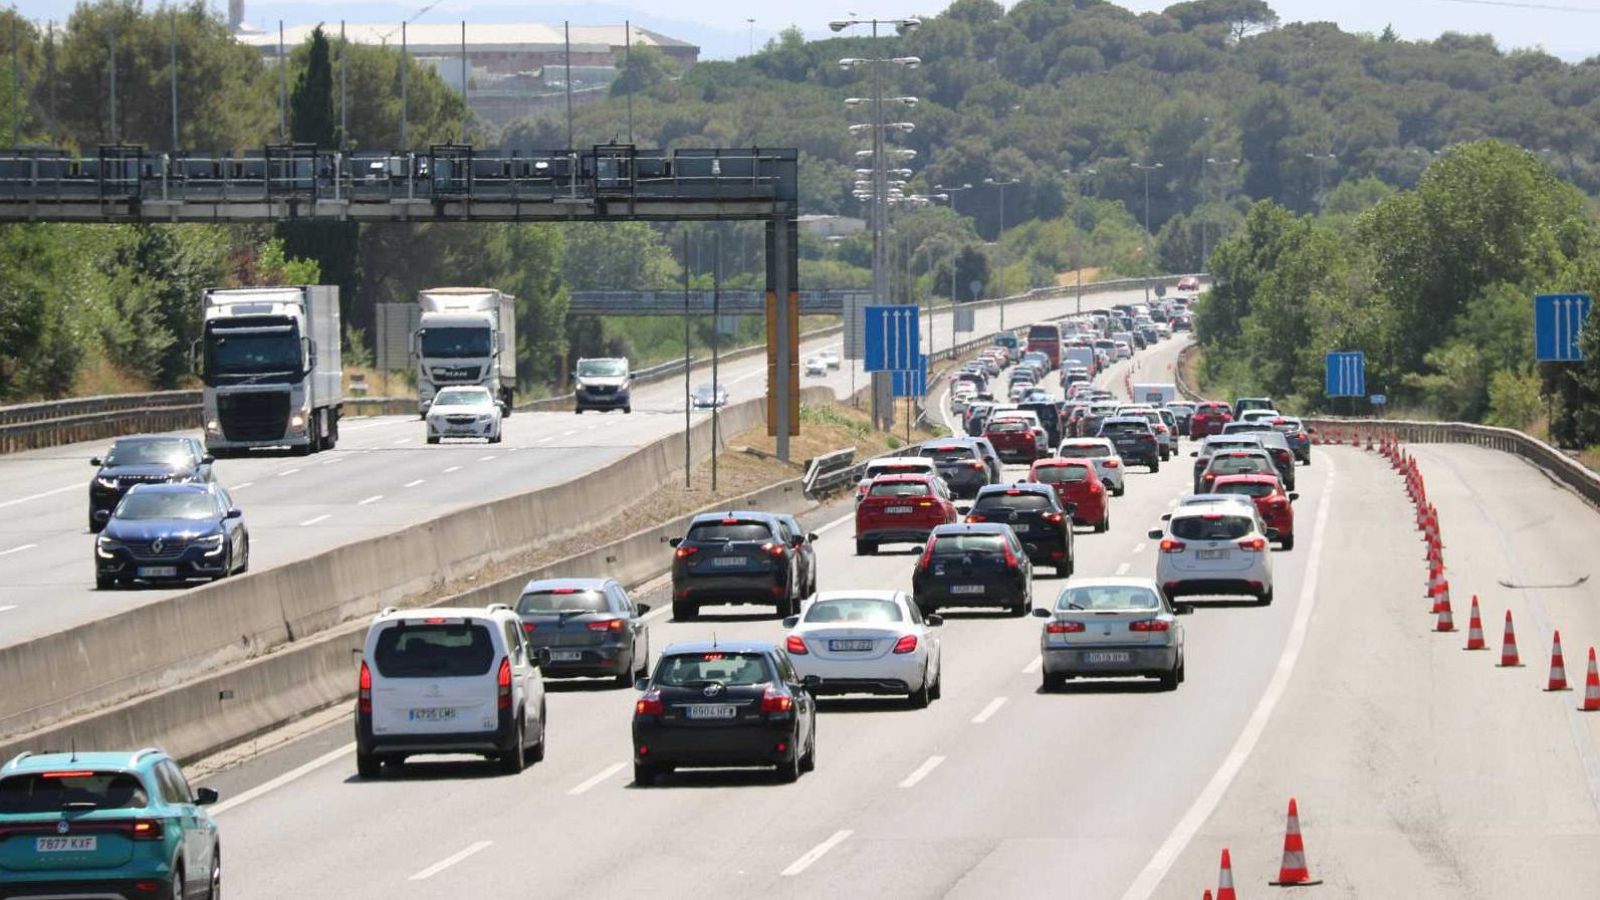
(1276, 507)
(902, 509)
(1208, 419)
(1013, 440)
(1076, 482)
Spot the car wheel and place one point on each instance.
(1287, 543)
(866, 548)
(1104, 525)
(919, 698)
(577, 410)
(178, 893)
(227, 565)
(644, 775)
(627, 410)
(1118, 491)
(495, 439)
(1307, 460)
(1265, 599)
(1169, 681)
(1181, 676)
(1054, 681)
(1021, 606)
(94, 527)
(105, 582)
(535, 753)
(245, 566)
(937, 691)
(789, 770)
(808, 763)
(644, 666)
(683, 612)
(368, 765)
(513, 760)
(214, 891)
(1155, 466)
(433, 439)
(1064, 571)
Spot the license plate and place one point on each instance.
(709, 710)
(1020, 527)
(433, 714)
(158, 571)
(849, 645)
(897, 510)
(1212, 554)
(1108, 656)
(566, 655)
(68, 844)
(728, 561)
(966, 589)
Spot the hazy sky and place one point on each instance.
(1567, 28)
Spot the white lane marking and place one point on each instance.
(1123, 568)
(373, 499)
(240, 487)
(544, 440)
(50, 493)
(451, 860)
(292, 775)
(486, 458)
(988, 711)
(452, 469)
(1188, 826)
(816, 853)
(849, 517)
(598, 777)
(317, 519)
(334, 461)
(569, 433)
(18, 549)
(1033, 668)
(287, 472)
(401, 441)
(922, 771)
(7, 608)
(1139, 547)
(412, 483)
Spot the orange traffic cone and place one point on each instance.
(1293, 870)
(1558, 667)
(1445, 623)
(1508, 646)
(1206, 895)
(1441, 598)
(1475, 629)
(1591, 688)
(1225, 878)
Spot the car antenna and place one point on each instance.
(74, 749)
(713, 640)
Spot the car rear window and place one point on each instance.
(1061, 474)
(898, 489)
(1022, 502)
(1096, 451)
(434, 650)
(692, 669)
(1228, 464)
(729, 531)
(559, 600)
(853, 610)
(1124, 427)
(1211, 527)
(1244, 488)
(962, 544)
(46, 792)
(948, 454)
(1107, 597)
(1006, 426)
(896, 469)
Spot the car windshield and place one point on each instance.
(962, 544)
(1002, 426)
(462, 398)
(1023, 501)
(149, 505)
(456, 343)
(150, 453)
(1096, 597)
(1211, 527)
(896, 469)
(443, 650)
(559, 600)
(1085, 452)
(602, 368)
(947, 454)
(729, 531)
(1124, 427)
(1230, 464)
(73, 789)
(853, 611)
(898, 489)
(1245, 488)
(1061, 474)
(693, 669)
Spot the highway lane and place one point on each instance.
(382, 477)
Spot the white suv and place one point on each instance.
(449, 680)
(1215, 549)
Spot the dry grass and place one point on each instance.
(97, 377)
(1191, 370)
(1067, 279)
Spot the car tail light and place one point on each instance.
(529, 627)
(649, 705)
(774, 548)
(906, 644)
(685, 552)
(1052, 517)
(924, 503)
(607, 625)
(1253, 544)
(1168, 545)
(146, 830)
(796, 645)
(976, 517)
(1094, 488)
(1150, 625)
(1065, 628)
(774, 701)
(927, 557)
(1011, 558)
(504, 682)
(1113, 464)
(364, 690)
(976, 465)
(1209, 476)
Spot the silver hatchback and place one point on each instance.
(1111, 628)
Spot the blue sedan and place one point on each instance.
(171, 533)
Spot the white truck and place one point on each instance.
(1157, 395)
(466, 335)
(269, 362)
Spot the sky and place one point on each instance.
(1567, 28)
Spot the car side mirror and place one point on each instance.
(95, 461)
(1040, 612)
(934, 619)
(541, 656)
(643, 684)
(1294, 495)
(235, 513)
(813, 537)
(205, 796)
(791, 621)
(641, 608)
(812, 682)
(207, 460)
(675, 542)
(1154, 534)
(1166, 517)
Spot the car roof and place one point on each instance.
(1200, 499)
(556, 584)
(1087, 442)
(1077, 581)
(873, 594)
(442, 612)
(151, 439)
(464, 389)
(719, 645)
(1027, 487)
(1058, 461)
(971, 528)
(732, 514)
(57, 760)
(1200, 510)
(903, 477)
(165, 488)
(899, 461)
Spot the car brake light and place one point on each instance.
(1013, 493)
(1011, 558)
(146, 830)
(364, 688)
(1064, 628)
(1168, 545)
(1253, 544)
(1094, 488)
(607, 625)
(685, 552)
(774, 548)
(504, 682)
(927, 556)
(1112, 464)
(976, 517)
(976, 465)
(87, 774)
(563, 590)
(1053, 517)
(730, 521)
(906, 644)
(529, 627)
(649, 705)
(774, 702)
(1149, 625)
(796, 645)
(433, 621)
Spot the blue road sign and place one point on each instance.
(911, 382)
(1379, 399)
(1347, 374)
(1557, 321)
(893, 338)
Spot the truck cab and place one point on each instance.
(465, 336)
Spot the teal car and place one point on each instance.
(105, 825)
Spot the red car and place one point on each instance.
(1076, 482)
(1188, 283)
(1276, 507)
(1013, 440)
(902, 509)
(1208, 419)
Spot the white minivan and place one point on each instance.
(449, 680)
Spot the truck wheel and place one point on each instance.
(333, 430)
(509, 401)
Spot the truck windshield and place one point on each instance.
(458, 343)
(276, 352)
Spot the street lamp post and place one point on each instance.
(1077, 236)
(1002, 185)
(1205, 246)
(1148, 238)
(1319, 159)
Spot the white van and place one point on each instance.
(1154, 394)
(449, 680)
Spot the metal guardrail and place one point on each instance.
(825, 471)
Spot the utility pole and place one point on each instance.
(627, 64)
(1148, 240)
(115, 132)
(344, 100)
(716, 346)
(405, 96)
(688, 425)
(172, 64)
(1205, 232)
(283, 89)
(566, 30)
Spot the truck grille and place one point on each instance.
(254, 416)
(455, 374)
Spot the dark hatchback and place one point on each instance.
(1134, 439)
(1036, 515)
(960, 463)
(734, 557)
(1049, 416)
(171, 532)
(980, 564)
(723, 704)
(591, 627)
(147, 459)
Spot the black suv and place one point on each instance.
(1135, 441)
(735, 557)
(147, 459)
(1036, 515)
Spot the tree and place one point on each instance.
(639, 69)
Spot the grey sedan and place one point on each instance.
(1112, 628)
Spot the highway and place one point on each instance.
(382, 477)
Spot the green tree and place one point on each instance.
(639, 69)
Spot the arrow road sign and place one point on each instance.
(1347, 374)
(894, 338)
(1558, 320)
(911, 382)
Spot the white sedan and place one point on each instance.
(831, 358)
(464, 411)
(867, 642)
(816, 366)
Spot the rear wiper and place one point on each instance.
(80, 804)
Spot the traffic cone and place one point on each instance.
(1225, 878)
(1508, 646)
(1441, 597)
(1558, 668)
(1475, 629)
(1293, 869)
(1445, 623)
(1206, 895)
(1591, 691)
